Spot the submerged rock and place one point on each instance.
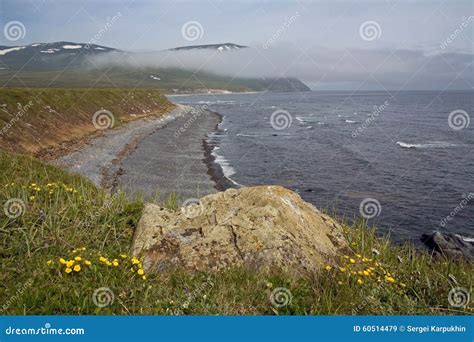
(449, 245)
(259, 227)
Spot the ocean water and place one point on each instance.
(400, 159)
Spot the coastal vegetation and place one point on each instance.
(38, 119)
(63, 240)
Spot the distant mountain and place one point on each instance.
(69, 64)
(41, 56)
(218, 47)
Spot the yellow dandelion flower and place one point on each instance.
(360, 281)
(144, 277)
(390, 279)
(360, 273)
(78, 258)
(68, 270)
(115, 263)
(135, 261)
(69, 263)
(352, 261)
(103, 259)
(62, 261)
(365, 259)
(366, 273)
(141, 272)
(328, 268)
(108, 263)
(123, 256)
(359, 256)
(87, 262)
(77, 268)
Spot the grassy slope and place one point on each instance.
(58, 115)
(170, 79)
(71, 213)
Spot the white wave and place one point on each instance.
(227, 169)
(434, 144)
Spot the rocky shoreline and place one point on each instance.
(169, 154)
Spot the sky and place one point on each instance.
(370, 37)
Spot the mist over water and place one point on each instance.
(339, 149)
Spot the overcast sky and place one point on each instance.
(406, 34)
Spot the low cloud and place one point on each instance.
(318, 66)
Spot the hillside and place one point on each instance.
(34, 120)
(69, 64)
(62, 218)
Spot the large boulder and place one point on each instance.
(259, 227)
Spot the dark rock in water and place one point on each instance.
(449, 245)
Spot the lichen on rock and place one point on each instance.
(261, 227)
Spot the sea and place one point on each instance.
(403, 161)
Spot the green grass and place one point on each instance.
(76, 214)
(39, 118)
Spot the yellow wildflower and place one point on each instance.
(78, 258)
(360, 281)
(115, 263)
(49, 262)
(342, 269)
(389, 279)
(87, 262)
(62, 261)
(366, 273)
(135, 261)
(144, 277)
(328, 268)
(68, 270)
(69, 263)
(123, 256)
(141, 272)
(77, 268)
(352, 261)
